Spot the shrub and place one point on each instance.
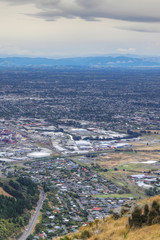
(136, 217)
(130, 222)
(151, 215)
(85, 234)
(146, 209)
(156, 220)
(155, 205)
(65, 238)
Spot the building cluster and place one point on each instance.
(75, 194)
(113, 99)
(25, 138)
(146, 181)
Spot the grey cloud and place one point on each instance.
(127, 10)
(18, 2)
(142, 29)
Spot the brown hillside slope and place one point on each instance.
(2, 192)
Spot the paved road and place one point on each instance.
(80, 204)
(33, 219)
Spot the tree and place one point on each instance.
(30, 237)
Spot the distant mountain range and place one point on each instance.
(108, 61)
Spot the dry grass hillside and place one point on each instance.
(4, 193)
(111, 229)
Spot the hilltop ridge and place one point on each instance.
(99, 61)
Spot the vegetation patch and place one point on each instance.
(148, 215)
(15, 210)
(114, 196)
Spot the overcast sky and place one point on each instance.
(68, 28)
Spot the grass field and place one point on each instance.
(120, 178)
(114, 196)
(136, 166)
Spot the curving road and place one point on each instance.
(33, 219)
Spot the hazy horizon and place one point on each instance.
(81, 56)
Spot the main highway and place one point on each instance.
(33, 219)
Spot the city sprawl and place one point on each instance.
(88, 138)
